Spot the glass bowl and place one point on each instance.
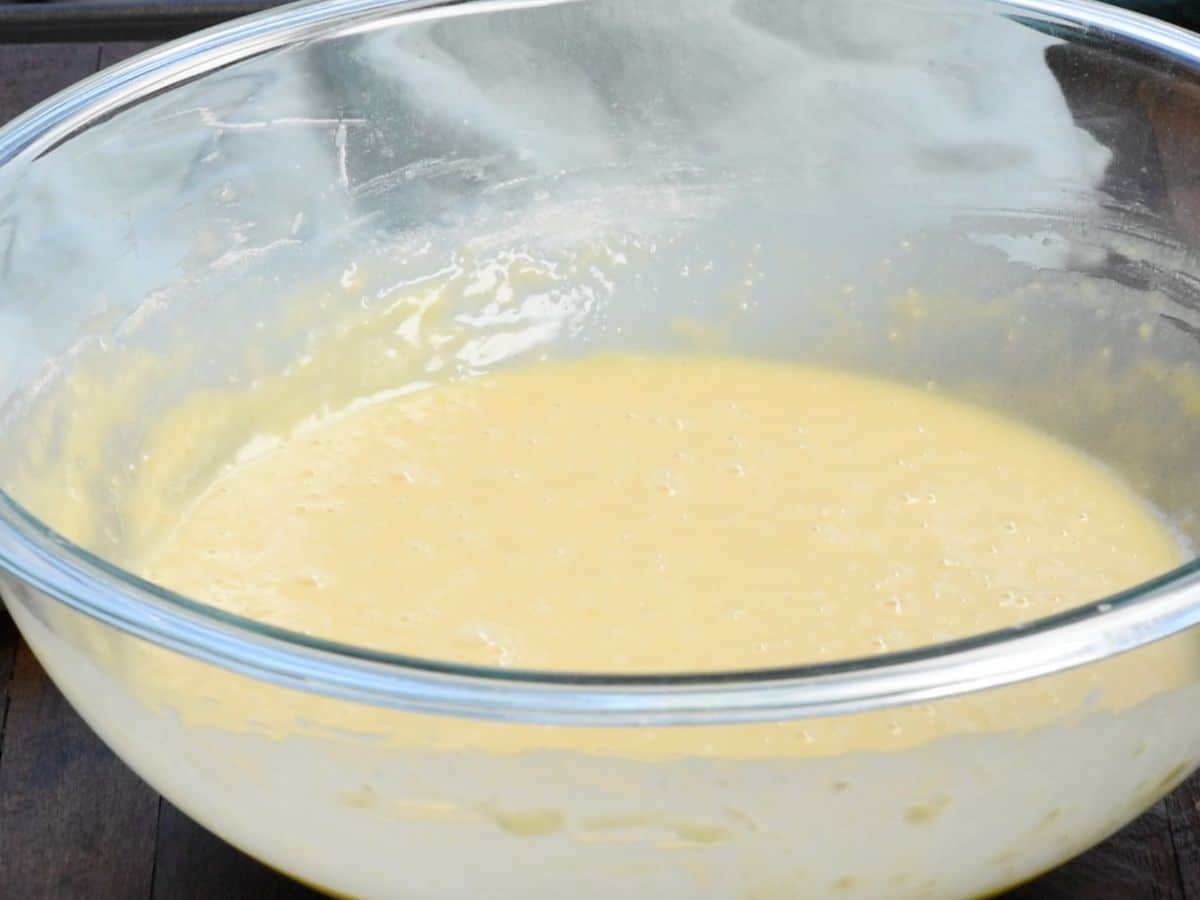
(994, 199)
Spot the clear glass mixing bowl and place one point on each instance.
(994, 198)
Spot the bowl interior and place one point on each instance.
(977, 197)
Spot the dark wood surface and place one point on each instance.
(76, 823)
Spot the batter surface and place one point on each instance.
(641, 514)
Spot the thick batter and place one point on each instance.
(638, 514)
(622, 513)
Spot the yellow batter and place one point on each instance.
(638, 514)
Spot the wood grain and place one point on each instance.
(8, 654)
(1138, 863)
(118, 51)
(31, 73)
(1173, 109)
(193, 864)
(1183, 807)
(74, 820)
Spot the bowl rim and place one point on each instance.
(38, 558)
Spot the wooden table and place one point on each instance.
(76, 823)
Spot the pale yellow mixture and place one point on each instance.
(636, 514)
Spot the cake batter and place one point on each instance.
(660, 514)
